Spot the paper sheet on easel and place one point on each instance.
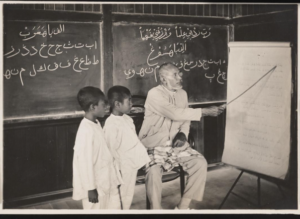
(258, 123)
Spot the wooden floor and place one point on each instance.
(66, 203)
(218, 184)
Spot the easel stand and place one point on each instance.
(258, 205)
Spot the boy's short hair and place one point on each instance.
(117, 93)
(89, 95)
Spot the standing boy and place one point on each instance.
(93, 170)
(128, 152)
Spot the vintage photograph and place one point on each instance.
(183, 107)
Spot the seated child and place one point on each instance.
(93, 171)
(129, 153)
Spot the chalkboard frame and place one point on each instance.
(46, 15)
(169, 19)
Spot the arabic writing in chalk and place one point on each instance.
(191, 33)
(186, 66)
(173, 48)
(205, 64)
(162, 33)
(45, 50)
(155, 33)
(79, 65)
(35, 41)
(221, 76)
(131, 72)
(41, 30)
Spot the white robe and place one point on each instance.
(92, 162)
(166, 114)
(123, 142)
(129, 154)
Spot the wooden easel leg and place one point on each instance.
(232, 187)
(258, 192)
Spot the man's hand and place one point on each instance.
(179, 140)
(213, 110)
(93, 196)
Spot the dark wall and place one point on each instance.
(240, 10)
(58, 7)
(38, 154)
(38, 157)
(220, 10)
(207, 10)
(209, 135)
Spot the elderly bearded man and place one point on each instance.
(167, 115)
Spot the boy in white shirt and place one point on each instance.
(93, 171)
(128, 152)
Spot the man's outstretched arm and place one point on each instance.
(159, 104)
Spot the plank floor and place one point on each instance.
(218, 184)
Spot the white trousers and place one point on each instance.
(126, 189)
(195, 167)
(102, 203)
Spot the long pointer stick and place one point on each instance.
(272, 70)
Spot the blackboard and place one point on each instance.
(199, 51)
(45, 65)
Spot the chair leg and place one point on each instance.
(182, 181)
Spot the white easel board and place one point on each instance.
(257, 134)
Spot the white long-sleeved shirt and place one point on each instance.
(92, 162)
(166, 114)
(123, 142)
